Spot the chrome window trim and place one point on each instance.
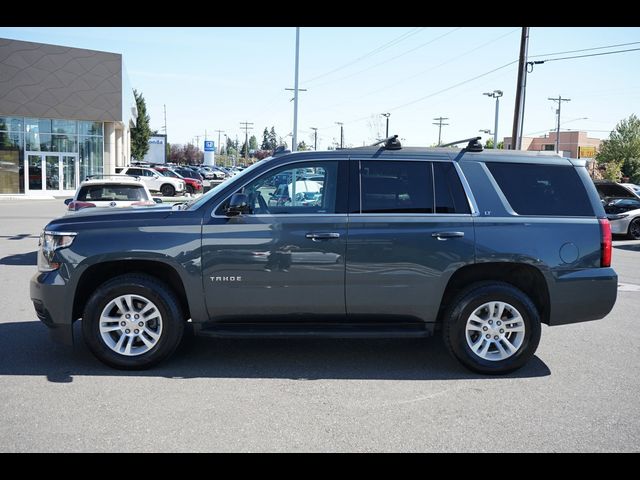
(494, 183)
(475, 211)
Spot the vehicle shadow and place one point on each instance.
(25, 349)
(633, 247)
(30, 258)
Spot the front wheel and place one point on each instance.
(492, 328)
(168, 190)
(634, 229)
(132, 322)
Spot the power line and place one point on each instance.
(399, 39)
(389, 59)
(537, 62)
(584, 49)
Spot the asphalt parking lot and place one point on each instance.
(580, 392)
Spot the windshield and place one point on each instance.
(197, 203)
(111, 193)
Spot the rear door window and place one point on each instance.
(542, 189)
(396, 187)
(450, 196)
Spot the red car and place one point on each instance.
(193, 186)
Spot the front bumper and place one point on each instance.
(582, 295)
(48, 292)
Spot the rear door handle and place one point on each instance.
(445, 235)
(316, 237)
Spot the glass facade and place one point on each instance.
(43, 142)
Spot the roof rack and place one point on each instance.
(390, 143)
(473, 146)
(93, 177)
(280, 150)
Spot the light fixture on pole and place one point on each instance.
(387, 115)
(495, 94)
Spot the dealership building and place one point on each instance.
(65, 114)
(572, 144)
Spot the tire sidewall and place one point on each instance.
(468, 304)
(172, 324)
(635, 221)
(167, 190)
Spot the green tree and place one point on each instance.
(243, 150)
(141, 132)
(612, 171)
(623, 147)
(266, 140)
(489, 144)
(303, 146)
(253, 143)
(273, 139)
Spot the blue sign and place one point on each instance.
(209, 146)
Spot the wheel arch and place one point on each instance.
(97, 274)
(523, 276)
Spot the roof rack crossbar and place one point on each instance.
(474, 144)
(390, 143)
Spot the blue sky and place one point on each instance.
(215, 78)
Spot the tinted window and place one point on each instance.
(542, 189)
(450, 196)
(396, 187)
(134, 172)
(287, 191)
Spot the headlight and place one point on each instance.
(49, 243)
(617, 216)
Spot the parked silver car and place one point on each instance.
(622, 205)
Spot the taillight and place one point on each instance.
(75, 206)
(605, 243)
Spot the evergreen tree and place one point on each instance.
(266, 140)
(273, 139)
(141, 132)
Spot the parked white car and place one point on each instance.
(155, 181)
(110, 191)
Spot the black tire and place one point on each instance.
(466, 303)
(634, 229)
(146, 286)
(168, 190)
(190, 189)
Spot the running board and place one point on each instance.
(244, 330)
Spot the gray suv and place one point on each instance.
(481, 246)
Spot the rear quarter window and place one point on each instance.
(530, 189)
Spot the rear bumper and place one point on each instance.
(48, 291)
(582, 295)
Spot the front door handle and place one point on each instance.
(316, 237)
(445, 235)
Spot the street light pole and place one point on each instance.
(495, 94)
(387, 115)
(295, 98)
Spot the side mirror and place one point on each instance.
(157, 200)
(237, 205)
(67, 201)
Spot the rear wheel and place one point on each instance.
(190, 189)
(132, 322)
(634, 229)
(492, 328)
(168, 190)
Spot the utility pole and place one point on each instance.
(315, 138)
(295, 97)
(518, 114)
(387, 115)
(495, 94)
(559, 100)
(440, 125)
(218, 149)
(246, 127)
(341, 133)
(165, 119)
